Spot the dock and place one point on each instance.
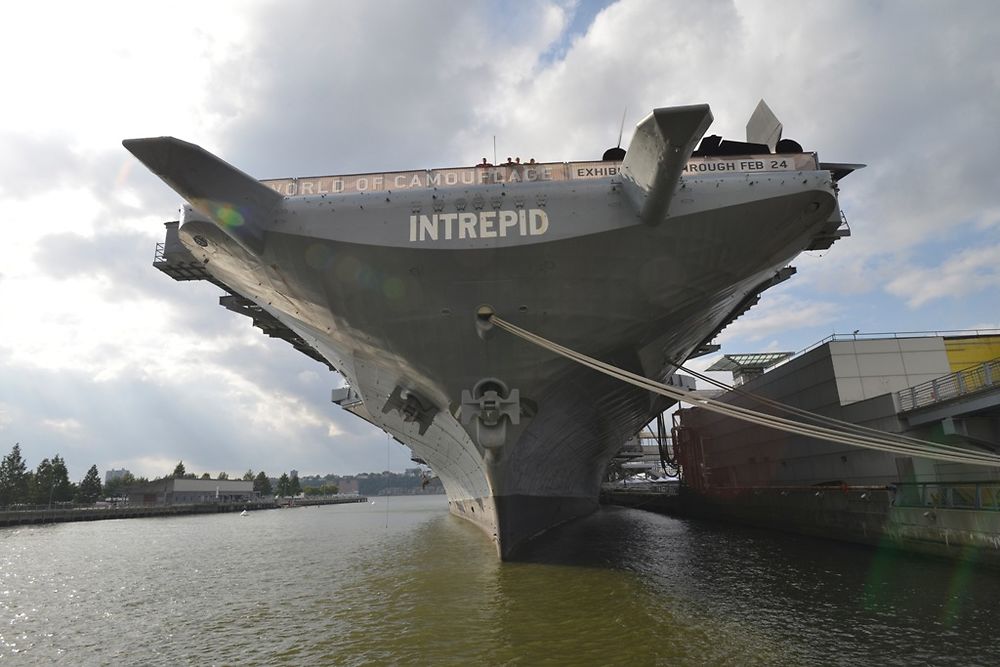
(322, 500)
(19, 517)
(663, 498)
(42, 515)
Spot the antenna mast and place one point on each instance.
(621, 130)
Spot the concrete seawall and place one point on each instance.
(60, 515)
(854, 514)
(21, 517)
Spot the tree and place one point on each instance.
(90, 487)
(13, 478)
(63, 490)
(41, 487)
(294, 488)
(118, 487)
(325, 490)
(205, 475)
(284, 485)
(179, 470)
(261, 484)
(248, 475)
(223, 475)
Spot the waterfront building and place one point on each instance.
(939, 388)
(172, 491)
(347, 485)
(877, 382)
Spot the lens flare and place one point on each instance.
(393, 288)
(319, 257)
(228, 216)
(368, 277)
(347, 269)
(960, 586)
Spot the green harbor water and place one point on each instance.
(402, 582)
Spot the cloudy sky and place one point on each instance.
(105, 360)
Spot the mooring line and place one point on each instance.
(907, 446)
(791, 409)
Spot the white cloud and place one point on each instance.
(133, 71)
(6, 415)
(67, 427)
(297, 88)
(308, 378)
(779, 314)
(155, 466)
(967, 271)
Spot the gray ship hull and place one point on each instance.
(385, 286)
(634, 295)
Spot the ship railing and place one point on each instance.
(961, 383)
(158, 255)
(949, 495)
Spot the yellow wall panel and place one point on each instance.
(967, 351)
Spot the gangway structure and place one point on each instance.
(965, 403)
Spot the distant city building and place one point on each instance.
(114, 474)
(347, 485)
(413, 472)
(293, 473)
(171, 491)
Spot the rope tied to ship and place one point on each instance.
(839, 431)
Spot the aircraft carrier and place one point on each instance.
(390, 279)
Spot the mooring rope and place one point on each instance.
(790, 409)
(855, 438)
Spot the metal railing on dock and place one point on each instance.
(949, 495)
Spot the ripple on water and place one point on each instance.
(350, 585)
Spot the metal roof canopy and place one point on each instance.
(748, 362)
(747, 366)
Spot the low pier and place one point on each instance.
(663, 498)
(36, 515)
(321, 500)
(18, 517)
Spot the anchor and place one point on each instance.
(484, 410)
